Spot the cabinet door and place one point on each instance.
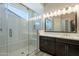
(73, 50)
(51, 46)
(47, 44)
(43, 44)
(60, 49)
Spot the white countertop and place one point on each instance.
(60, 35)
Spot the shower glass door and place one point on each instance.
(17, 30)
(18, 36)
(3, 31)
(33, 38)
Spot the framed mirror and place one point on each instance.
(66, 23)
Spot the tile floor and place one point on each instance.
(42, 54)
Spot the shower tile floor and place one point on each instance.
(24, 51)
(20, 52)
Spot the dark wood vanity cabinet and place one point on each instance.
(43, 44)
(51, 46)
(65, 47)
(73, 48)
(47, 44)
(59, 46)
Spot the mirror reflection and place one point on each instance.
(63, 23)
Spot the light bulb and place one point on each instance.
(76, 8)
(59, 12)
(64, 11)
(69, 10)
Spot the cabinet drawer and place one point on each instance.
(75, 42)
(46, 38)
(61, 40)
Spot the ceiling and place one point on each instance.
(37, 7)
(46, 7)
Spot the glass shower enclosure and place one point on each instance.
(18, 36)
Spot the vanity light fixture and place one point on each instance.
(64, 11)
(69, 10)
(59, 12)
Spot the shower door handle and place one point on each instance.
(10, 32)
